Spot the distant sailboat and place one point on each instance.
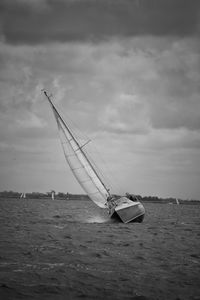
(53, 195)
(87, 176)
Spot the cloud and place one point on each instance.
(34, 22)
(123, 85)
(175, 102)
(137, 97)
(30, 121)
(125, 114)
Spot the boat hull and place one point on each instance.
(128, 211)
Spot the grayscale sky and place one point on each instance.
(127, 72)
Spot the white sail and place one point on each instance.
(79, 163)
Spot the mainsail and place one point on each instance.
(79, 163)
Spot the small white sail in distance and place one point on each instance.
(79, 163)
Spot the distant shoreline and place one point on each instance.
(82, 197)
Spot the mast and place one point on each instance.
(76, 142)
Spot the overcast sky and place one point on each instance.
(127, 72)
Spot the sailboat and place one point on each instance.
(123, 208)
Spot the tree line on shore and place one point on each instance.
(68, 196)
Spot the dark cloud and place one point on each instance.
(40, 21)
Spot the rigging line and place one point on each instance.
(83, 145)
(80, 147)
(84, 167)
(109, 175)
(76, 129)
(104, 171)
(90, 178)
(107, 178)
(97, 168)
(84, 155)
(92, 163)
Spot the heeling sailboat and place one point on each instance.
(88, 177)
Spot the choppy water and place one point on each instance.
(71, 249)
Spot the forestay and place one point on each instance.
(79, 162)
